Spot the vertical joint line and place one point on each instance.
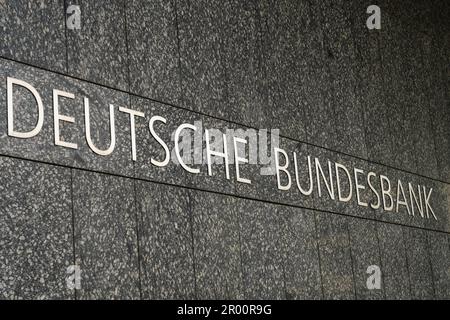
(351, 258)
(65, 34)
(177, 29)
(127, 44)
(73, 226)
(318, 254)
(191, 223)
(137, 237)
(381, 261)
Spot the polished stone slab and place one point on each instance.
(410, 27)
(264, 181)
(36, 243)
(165, 242)
(201, 50)
(261, 251)
(337, 274)
(217, 247)
(419, 264)
(244, 62)
(393, 43)
(320, 112)
(34, 32)
(153, 48)
(394, 261)
(105, 231)
(287, 58)
(369, 75)
(439, 252)
(365, 255)
(340, 56)
(436, 68)
(98, 51)
(300, 253)
(420, 95)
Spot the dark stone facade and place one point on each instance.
(372, 99)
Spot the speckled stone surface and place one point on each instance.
(365, 252)
(153, 49)
(340, 63)
(311, 69)
(439, 252)
(263, 187)
(300, 253)
(394, 261)
(420, 274)
(106, 247)
(165, 242)
(244, 62)
(398, 66)
(287, 64)
(36, 244)
(337, 274)
(414, 25)
(42, 146)
(436, 65)
(98, 51)
(34, 32)
(375, 106)
(202, 62)
(440, 117)
(320, 112)
(217, 249)
(420, 94)
(261, 251)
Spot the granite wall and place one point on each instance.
(375, 99)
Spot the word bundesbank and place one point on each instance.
(305, 173)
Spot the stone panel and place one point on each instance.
(105, 236)
(165, 242)
(365, 253)
(244, 62)
(340, 64)
(98, 50)
(202, 53)
(338, 281)
(420, 273)
(375, 106)
(34, 32)
(395, 272)
(153, 49)
(300, 253)
(439, 251)
(262, 251)
(36, 243)
(217, 249)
